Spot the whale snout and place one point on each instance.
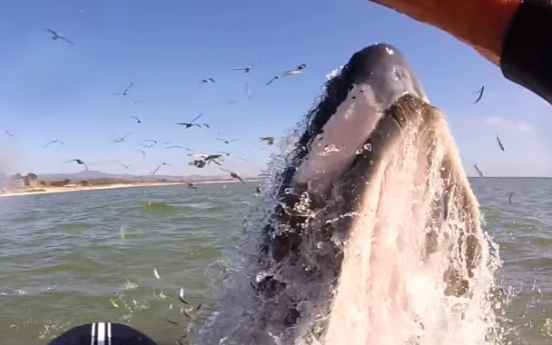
(374, 79)
(387, 72)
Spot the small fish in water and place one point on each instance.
(188, 312)
(499, 143)
(479, 172)
(510, 198)
(156, 274)
(171, 321)
(113, 303)
(181, 296)
(479, 93)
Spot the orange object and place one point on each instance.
(479, 23)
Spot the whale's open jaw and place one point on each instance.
(373, 194)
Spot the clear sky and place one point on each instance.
(54, 90)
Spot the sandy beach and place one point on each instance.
(78, 188)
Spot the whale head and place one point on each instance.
(373, 194)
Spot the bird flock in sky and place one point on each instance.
(201, 160)
(198, 160)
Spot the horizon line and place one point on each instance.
(260, 174)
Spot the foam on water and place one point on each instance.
(387, 292)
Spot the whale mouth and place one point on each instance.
(372, 208)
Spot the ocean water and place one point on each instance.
(77, 257)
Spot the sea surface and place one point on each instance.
(77, 257)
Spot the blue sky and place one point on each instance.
(53, 90)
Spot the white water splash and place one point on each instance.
(387, 295)
(334, 73)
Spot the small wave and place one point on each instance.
(75, 226)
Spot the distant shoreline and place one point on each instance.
(79, 188)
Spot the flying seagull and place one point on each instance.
(208, 80)
(56, 36)
(133, 103)
(479, 172)
(8, 133)
(56, 141)
(79, 161)
(159, 167)
(187, 125)
(246, 69)
(227, 141)
(206, 158)
(233, 174)
(268, 140)
(499, 143)
(198, 163)
(124, 93)
(289, 73)
(177, 147)
(479, 93)
(190, 185)
(136, 118)
(121, 139)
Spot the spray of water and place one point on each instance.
(393, 289)
(395, 271)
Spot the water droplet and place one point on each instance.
(371, 162)
(288, 190)
(359, 151)
(368, 147)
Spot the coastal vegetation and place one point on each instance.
(31, 182)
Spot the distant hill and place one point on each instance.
(94, 174)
